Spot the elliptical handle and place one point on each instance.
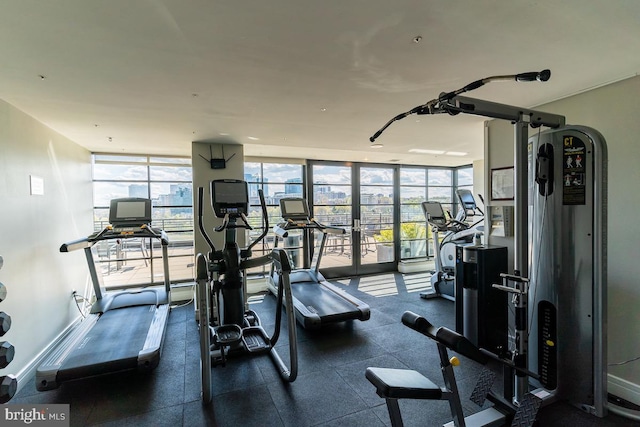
(201, 221)
(265, 217)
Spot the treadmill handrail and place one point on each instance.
(107, 233)
(308, 224)
(280, 232)
(333, 229)
(76, 244)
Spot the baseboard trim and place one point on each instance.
(626, 390)
(182, 292)
(415, 266)
(623, 388)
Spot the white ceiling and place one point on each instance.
(307, 78)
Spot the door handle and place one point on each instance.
(356, 225)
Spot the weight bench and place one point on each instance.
(394, 384)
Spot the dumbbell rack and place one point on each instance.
(8, 383)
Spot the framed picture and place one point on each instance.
(502, 183)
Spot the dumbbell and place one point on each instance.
(8, 387)
(1, 262)
(3, 292)
(6, 353)
(5, 323)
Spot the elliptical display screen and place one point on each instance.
(467, 200)
(433, 211)
(229, 197)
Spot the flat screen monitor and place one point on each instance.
(130, 211)
(467, 200)
(229, 197)
(294, 208)
(433, 212)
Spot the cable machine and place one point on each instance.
(559, 288)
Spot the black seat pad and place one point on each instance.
(402, 384)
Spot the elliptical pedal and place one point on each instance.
(228, 334)
(255, 340)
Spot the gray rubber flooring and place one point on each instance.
(331, 389)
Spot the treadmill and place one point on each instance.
(125, 329)
(316, 301)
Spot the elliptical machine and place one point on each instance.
(227, 325)
(458, 232)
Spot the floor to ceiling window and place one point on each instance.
(277, 181)
(167, 182)
(418, 184)
(413, 229)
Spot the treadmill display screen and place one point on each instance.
(130, 209)
(134, 211)
(294, 207)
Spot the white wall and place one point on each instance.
(613, 110)
(203, 175)
(40, 279)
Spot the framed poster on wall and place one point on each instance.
(502, 183)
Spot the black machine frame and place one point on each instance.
(227, 325)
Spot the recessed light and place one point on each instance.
(425, 151)
(253, 138)
(377, 145)
(417, 39)
(323, 109)
(223, 134)
(455, 153)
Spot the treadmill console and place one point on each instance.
(229, 196)
(130, 213)
(294, 209)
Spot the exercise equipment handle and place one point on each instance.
(75, 245)
(265, 218)
(444, 336)
(280, 232)
(435, 106)
(201, 220)
(509, 363)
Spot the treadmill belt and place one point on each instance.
(322, 301)
(112, 344)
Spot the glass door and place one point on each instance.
(360, 199)
(375, 231)
(330, 201)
